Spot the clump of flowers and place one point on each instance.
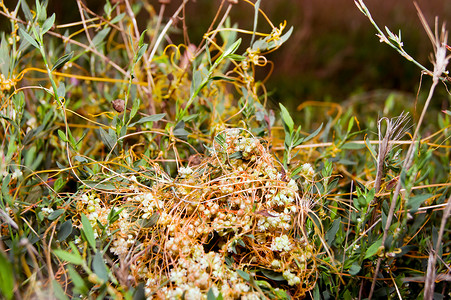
(236, 211)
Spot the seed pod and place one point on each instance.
(118, 105)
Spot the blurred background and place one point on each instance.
(333, 54)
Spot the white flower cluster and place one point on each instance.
(141, 271)
(134, 186)
(16, 174)
(186, 291)
(124, 222)
(247, 146)
(281, 243)
(276, 264)
(251, 296)
(185, 171)
(281, 197)
(123, 240)
(122, 245)
(95, 210)
(198, 272)
(307, 171)
(91, 201)
(225, 223)
(235, 142)
(148, 203)
(291, 278)
(178, 276)
(46, 211)
(242, 287)
(178, 244)
(31, 123)
(276, 220)
(6, 84)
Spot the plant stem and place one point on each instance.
(406, 166)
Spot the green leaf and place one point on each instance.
(100, 36)
(236, 57)
(48, 24)
(62, 135)
(358, 202)
(186, 119)
(141, 52)
(118, 18)
(79, 283)
(286, 36)
(108, 139)
(4, 54)
(152, 118)
(260, 44)
(135, 108)
(244, 275)
(227, 52)
(54, 215)
(5, 185)
(211, 295)
(354, 269)
(330, 235)
(370, 196)
(346, 162)
(63, 60)
(59, 184)
(198, 82)
(26, 10)
(99, 267)
(221, 140)
(179, 131)
(236, 155)
(256, 12)
(286, 118)
(58, 291)
(352, 146)
(263, 44)
(6, 277)
(88, 231)
(316, 294)
(350, 124)
(64, 231)
(372, 250)
(99, 185)
(313, 134)
(41, 12)
(270, 274)
(113, 216)
(224, 78)
(415, 202)
(72, 257)
(80, 159)
(139, 293)
(141, 38)
(61, 90)
(28, 38)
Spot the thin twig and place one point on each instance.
(406, 166)
(429, 284)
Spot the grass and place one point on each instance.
(132, 167)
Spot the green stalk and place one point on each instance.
(406, 166)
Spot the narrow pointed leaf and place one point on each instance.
(28, 38)
(62, 60)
